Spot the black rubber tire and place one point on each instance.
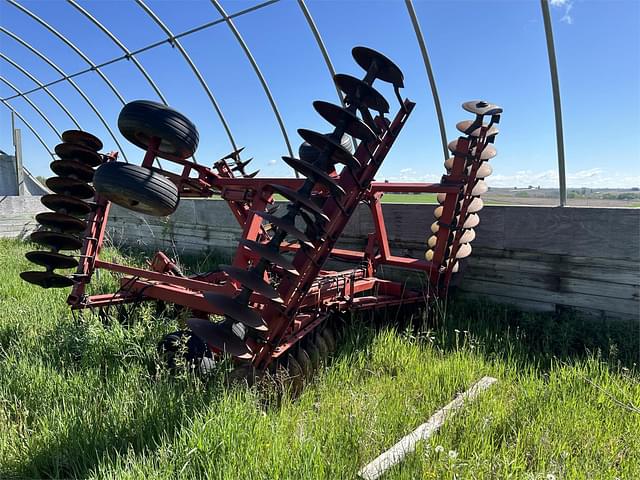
(141, 120)
(136, 188)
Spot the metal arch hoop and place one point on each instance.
(258, 72)
(194, 69)
(321, 46)
(557, 103)
(53, 65)
(71, 45)
(29, 126)
(40, 84)
(125, 50)
(33, 105)
(430, 76)
(151, 46)
(122, 47)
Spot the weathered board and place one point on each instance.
(540, 258)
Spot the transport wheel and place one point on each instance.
(296, 376)
(136, 188)
(182, 348)
(323, 348)
(314, 354)
(142, 120)
(329, 338)
(305, 362)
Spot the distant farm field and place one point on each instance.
(81, 397)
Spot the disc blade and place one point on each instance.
(220, 337)
(46, 279)
(304, 202)
(61, 221)
(479, 188)
(73, 151)
(314, 225)
(361, 93)
(239, 164)
(386, 70)
(484, 170)
(252, 281)
(65, 204)
(286, 226)
(231, 308)
(252, 175)
(480, 107)
(472, 128)
(273, 256)
(233, 155)
(72, 168)
(488, 152)
(313, 172)
(83, 138)
(70, 186)
(341, 117)
(51, 260)
(338, 153)
(58, 241)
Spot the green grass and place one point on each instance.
(77, 398)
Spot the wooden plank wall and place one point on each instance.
(539, 258)
(17, 215)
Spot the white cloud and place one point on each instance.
(272, 162)
(590, 178)
(568, 6)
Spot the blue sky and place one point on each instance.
(479, 49)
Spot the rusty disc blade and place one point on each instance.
(286, 226)
(57, 241)
(72, 168)
(46, 279)
(83, 138)
(269, 254)
(70, 186)
(72, 151)
(361, 93)
(341, 117)
(252, 281)
(231, 308)
(220, 337)
(386, 70)
(61, 221)
(51, 260)
(338, 154)
(65, 204)
(305, 202)
(480, 107)
(313, 172)
(472, 128)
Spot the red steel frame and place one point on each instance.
(311, 296)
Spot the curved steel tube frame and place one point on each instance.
(45, 88)
(33, 105)
(430, 76)
(29, 126)
(557, 107)
(71, 45)
(53, 65)
(258, 72)
(174, 41)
